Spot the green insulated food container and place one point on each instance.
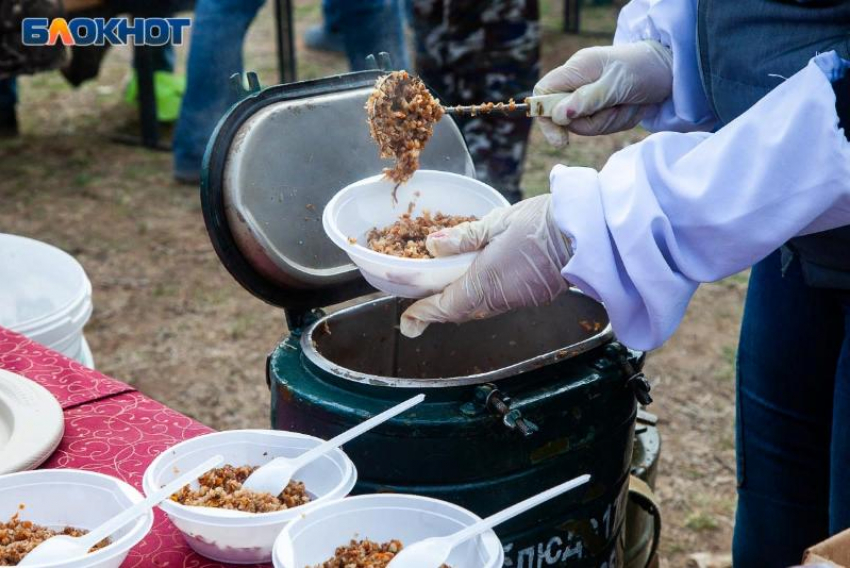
(515, 404)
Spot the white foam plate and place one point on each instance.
(31, 423)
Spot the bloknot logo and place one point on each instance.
(102, 31)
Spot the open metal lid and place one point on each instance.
(274, 161)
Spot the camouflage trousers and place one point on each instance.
(473, 51)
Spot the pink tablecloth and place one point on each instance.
(109, 428)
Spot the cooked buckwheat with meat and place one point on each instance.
(406, 237)
(364, 554)
(402, 113)
(222, 488)
(18, 538)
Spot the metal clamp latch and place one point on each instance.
(641, 387)
(637, 381)
(494, 400)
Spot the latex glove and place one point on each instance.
(612, 86)
(520, 265)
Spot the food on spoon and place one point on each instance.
(364, 554)
(401, 113)
(221, 488)
(406, 237)
(18, 538)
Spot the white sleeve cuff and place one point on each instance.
(673, 23)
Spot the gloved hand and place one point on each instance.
(520, 265)
(612, 88)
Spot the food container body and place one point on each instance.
(557, 366)
(312, 539)
(246, 539)
(59, 498)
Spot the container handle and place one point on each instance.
(641, 494)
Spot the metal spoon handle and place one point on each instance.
(473, 110)
(348, 435)
(96, 535)
(535, 105)
(514, 510)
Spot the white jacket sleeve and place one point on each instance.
(673, 23)
(675, 210)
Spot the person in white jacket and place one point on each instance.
(750, 165)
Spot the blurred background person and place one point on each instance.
(359, 28)
(218, 32)
(19, 59)
(82, 63)
(471, 52)
(215, 53)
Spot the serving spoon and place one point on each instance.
(274, 476)
(433, 552)
(64, 547)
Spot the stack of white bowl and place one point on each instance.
(45, 295)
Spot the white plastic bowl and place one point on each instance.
(58, 498)
(313, 538)
(46, 295)
(247, 538)
(368, 203)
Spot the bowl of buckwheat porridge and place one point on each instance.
(223, 521)
(368, 530)
(383, 227)
(36, 505)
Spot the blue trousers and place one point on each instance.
(369, 27)
(215, 53)
(793, 417)
(218, 32)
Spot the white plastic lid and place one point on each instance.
(44, 292)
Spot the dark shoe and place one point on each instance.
(321, 39)
(8, 123)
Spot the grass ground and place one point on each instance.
(171, 321)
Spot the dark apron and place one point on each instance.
(746, 47)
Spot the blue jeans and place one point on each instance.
(369, 27)
(218, 32)
(793, 417)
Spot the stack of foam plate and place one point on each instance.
(31, 423)
(45, 295)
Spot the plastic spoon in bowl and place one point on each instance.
(276, 475)
(433, 552)
(63, 547)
